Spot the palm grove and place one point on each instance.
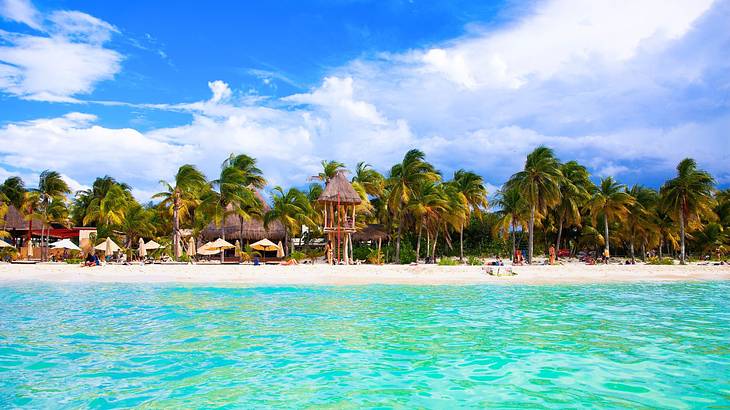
(425, 213)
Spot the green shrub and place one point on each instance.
(375, 257)
(74, 261)
(473, 261)
(361, 252)
(448, 262)
(663, 261)
(299, 256)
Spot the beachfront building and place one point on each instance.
(339, 201)
(22, 231)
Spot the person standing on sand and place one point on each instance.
(328, 252)
(606, 256)
(552, 254)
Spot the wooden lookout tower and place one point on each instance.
(339, 200)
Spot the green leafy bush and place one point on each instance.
(448, 262)
(74, 261)
(662, 261)
(299, 256)
(361, 252)
(473, 261)
(375, 257)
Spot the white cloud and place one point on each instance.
(21, 11)
(580, 77)
(221, 91)
(68, 61)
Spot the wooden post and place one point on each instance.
(380, 240)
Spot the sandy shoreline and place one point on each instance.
(247, 275)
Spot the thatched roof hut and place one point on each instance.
(14, 221)
(253, 229)
(372, 232)
(339, 184)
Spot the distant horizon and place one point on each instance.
(134, 91)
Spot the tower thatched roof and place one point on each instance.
(339, 184)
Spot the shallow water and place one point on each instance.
(100, 345)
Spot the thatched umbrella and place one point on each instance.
(264, 245)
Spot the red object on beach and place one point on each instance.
(563, 253)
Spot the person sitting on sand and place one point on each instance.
(256, 261)
(519, 260)
(290, 262)
(89, 261)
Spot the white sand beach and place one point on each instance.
(247, 275)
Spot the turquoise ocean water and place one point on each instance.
(166, 346)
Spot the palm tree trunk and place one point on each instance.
(461, 243)
(531, 235)
(557, 242)
(175, 228)
(223, 236)
(661, 245)
(681, 233)
(397, 239)
(43, 238)
(418, 244)
(643, 251)
(428, 243)
(631, 248)
(514, 242)
(433, 252)
(286, 242)
(605, 224)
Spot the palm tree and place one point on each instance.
(233, 197)
(370, 180)
(87, 203)
(512, 213)
(12, 192)
(50, 186)
(711, 239)
(426, 205)
(292, 209)
(329, 170)
(667, 229)
(473, 194)
(137, 223)
(180, 197)
(108, 210)
(609, 201)
(639, 219)
(252, 178)
(688, 196)
(403, 179)
(539, 184)
(252, 175)
(574, 192)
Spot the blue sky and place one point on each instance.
(134, 89)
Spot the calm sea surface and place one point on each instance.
(101, 346)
